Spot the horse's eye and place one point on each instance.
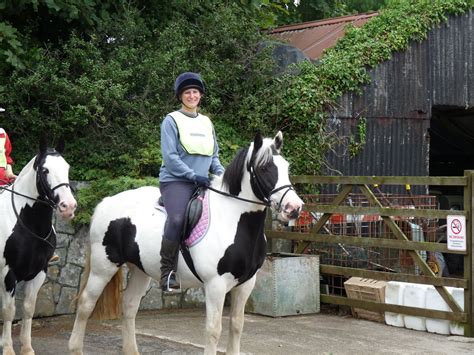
(45, 171)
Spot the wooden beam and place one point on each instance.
(361, 241)
(460, 317)
(381, 211)
(469, 258)
(325, 217)
(381, 180)
(391, 276)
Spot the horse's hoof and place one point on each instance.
(29, 351)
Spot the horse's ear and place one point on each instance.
(43, 145)
(60, 146)
(278, 141)
(257, 142)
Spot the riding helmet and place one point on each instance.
(186, 81)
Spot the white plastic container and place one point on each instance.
(394, 295)
(458, 295)
(414, 295)
(436, 302)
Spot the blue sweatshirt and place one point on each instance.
(178, 165)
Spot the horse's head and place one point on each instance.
(268, 177)
(52, 179)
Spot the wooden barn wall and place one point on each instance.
(398, 102)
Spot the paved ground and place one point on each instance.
(181, 332)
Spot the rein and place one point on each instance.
(266, 199)
(239, 198)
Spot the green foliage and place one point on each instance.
(357, 143)
(102, 77)
(107, 94)
(89, 197)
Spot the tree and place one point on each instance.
(311, 10)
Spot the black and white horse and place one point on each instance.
(127, 228)
(27, 236)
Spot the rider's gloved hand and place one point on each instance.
(201, 181)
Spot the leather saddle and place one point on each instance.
(193, 212)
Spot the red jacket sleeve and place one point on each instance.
(8, 150)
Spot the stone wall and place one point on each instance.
(63, 280)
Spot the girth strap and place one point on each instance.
(189, 260)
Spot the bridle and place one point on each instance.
(46, 196)
(256, 180)
(264, 197)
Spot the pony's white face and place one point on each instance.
(270, 177)
(52, 181)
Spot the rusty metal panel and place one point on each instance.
(312, 38)
(393, 147)
(451, 48)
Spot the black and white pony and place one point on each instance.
(27, 236)
(127, 228)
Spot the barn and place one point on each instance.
(418, 108)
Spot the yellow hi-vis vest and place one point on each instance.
(196, 135)
(3, 157)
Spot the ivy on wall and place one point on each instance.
(301, 104)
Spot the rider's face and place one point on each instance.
(191, 98)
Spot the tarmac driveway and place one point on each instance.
(181, 332)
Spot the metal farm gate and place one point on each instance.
(364, 232)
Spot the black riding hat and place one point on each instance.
(186, 81)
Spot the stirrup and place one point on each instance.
(172, 290)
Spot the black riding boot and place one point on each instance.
(169, 257)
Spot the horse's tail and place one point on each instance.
(109, 304)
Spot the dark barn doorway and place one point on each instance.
(451, 143)
(451, 152)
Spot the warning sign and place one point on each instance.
(456, 233)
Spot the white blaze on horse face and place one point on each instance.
(291, 205)
(59, 174)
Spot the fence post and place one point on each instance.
(468, 259)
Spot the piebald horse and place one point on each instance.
(127, 229)
(27, 236)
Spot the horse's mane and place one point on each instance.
(235, 170)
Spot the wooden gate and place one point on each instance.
(388, 217)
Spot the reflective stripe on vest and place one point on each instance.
(3, 141)
(195, 134)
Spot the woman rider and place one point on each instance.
(190, 152)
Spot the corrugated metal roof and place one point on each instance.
(312, 38)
